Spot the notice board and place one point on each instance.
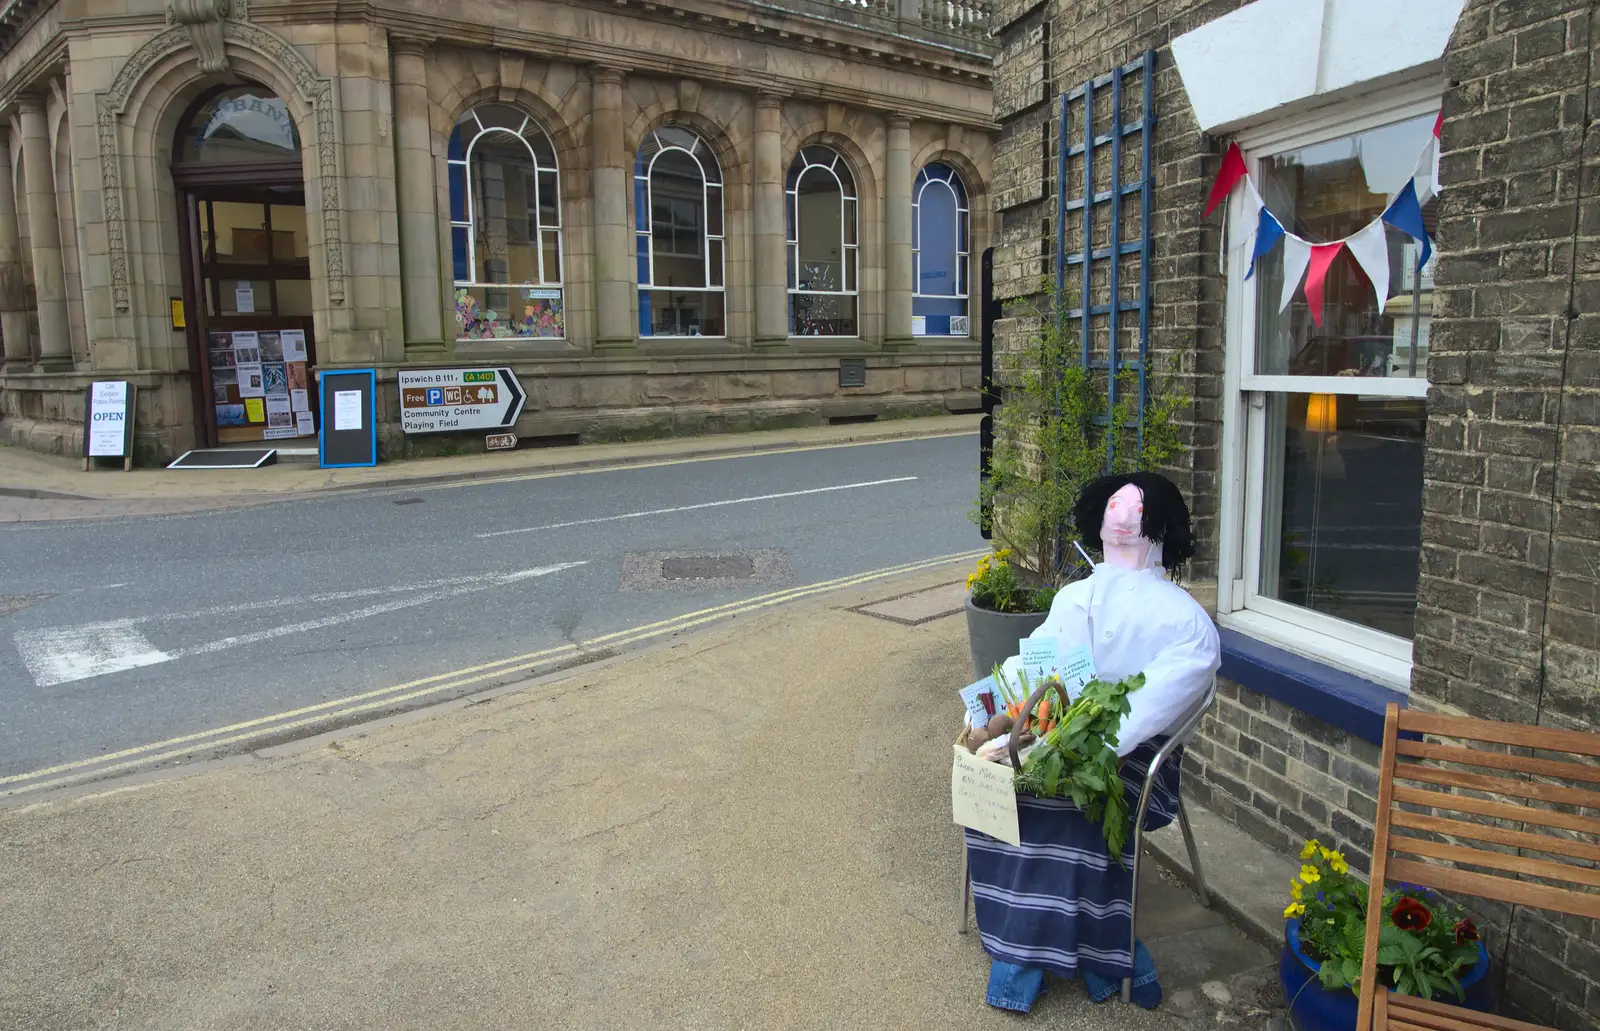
(349, 432)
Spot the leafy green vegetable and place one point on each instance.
(1077, 760)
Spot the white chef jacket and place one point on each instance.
(1137, 622)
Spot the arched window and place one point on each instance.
(505, 226)
(823, 242)
(941, 241)
(677, 204)
(245, 124)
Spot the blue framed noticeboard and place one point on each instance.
(349, 433)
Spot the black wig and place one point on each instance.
(1165, 519)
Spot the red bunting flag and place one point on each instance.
(1322, 255)
(1438, 125)
(1232, 171)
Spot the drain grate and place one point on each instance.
(708, 567)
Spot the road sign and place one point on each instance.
(500, 441)
(446, 400)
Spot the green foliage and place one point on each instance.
(1052, 437)
(1424, 957)
(995, 585)
(1077, 759)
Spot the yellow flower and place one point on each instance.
(1337, 863)
(1295, 889)
(1310, 874)
(1294, 909)
(1310, 849)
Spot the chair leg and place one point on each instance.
(1194, 854)
(1133, 909)
(966, 888)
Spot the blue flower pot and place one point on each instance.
(1317, 1009)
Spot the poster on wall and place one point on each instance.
(271, 347)
(251, 380)
(299, 400)
(297, 375)
(304, 425)
(294, 345)
(275, 379)
(347, 410)
(244, 297)
(254, 409)
(278, 414)
(231, 415)
(246, 347)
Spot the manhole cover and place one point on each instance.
(705, 570)
(705, 567)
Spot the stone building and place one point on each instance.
(666, 217)
(1392, 507)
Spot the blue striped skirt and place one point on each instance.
(1059, 901)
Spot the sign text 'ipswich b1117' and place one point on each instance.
(446, 400)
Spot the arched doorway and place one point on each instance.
(247, 267)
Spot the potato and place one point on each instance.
(976, 739)
(999, 724)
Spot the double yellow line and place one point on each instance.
(177, 747)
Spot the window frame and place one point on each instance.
(1364, 651)
(711, 178)
(849, 253)
(963, 256)
(535, 213)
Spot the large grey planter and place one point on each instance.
(993, 636)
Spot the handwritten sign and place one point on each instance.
(982, 797)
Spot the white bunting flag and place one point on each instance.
(1370, 248)
(1296, 256)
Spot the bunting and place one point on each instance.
(1303, 259)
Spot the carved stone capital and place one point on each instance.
(899, 121)
(30, 103)
(604, 74)
(767, 99)
(203, 19)
(411, 45)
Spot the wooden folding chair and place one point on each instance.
(1447, 853)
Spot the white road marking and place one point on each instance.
(707, 504)
(63, 655)
(487, 580)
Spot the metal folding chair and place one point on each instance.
(1182, 734)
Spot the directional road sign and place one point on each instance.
(445, 400)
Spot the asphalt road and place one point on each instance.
(144, 629)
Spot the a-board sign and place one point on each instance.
(500, 441)
(349, 433)
(445, 400)
(108, 409)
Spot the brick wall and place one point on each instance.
(1510, 580)
(1506, 619)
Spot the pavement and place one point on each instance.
(35, 486)
(747, 828)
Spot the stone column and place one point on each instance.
(897, 238)
(771, 231)
(417, 198)
(44, 230)
(13, 288)
(613, 238)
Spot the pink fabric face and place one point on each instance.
(1121, 534)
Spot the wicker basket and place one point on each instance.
(1026, 717)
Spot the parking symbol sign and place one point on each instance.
(435, 396)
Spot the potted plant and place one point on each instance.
(1426, 946)
(1001, 611)
(1055, 431)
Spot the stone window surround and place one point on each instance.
(1342, 648)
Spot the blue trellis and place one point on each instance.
(1095, 137)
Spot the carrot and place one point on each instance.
(1044, 710)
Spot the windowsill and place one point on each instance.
(1336, 697)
